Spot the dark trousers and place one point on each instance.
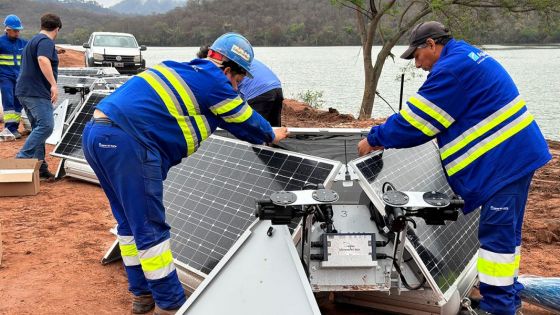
(269, 105)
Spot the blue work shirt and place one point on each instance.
(10, 56)
(172, 107)
(32, 81)
(487, 138)
(263, 81)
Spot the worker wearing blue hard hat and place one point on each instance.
(150, 124)
(11, 47)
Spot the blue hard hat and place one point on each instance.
(13, 22)
(236, 48)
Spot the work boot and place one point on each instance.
(16, 134)
(142, 304)
(160, 311)
(46, 175)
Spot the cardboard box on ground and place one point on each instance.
(19, 177)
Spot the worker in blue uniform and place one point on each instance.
(147, 126)
(490, 146)
(11, 47)
(263, 92)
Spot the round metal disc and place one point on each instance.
(325, 195)
(436, 199)
(395, 198)
(283, 198)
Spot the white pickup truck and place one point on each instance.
(119, 50)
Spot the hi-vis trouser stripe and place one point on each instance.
(431, 110)
(11, 116)
(7, 60)
(228, 105)
(173, 107)
(482, 127)
(187, 97)
(496, 269)
(517, 260)
(489, 143)
(418, 122)
(129, 252)
(157, 261)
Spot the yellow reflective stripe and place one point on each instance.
(6, 56)
(226, 105)
(419, 123)
(479, 130)
(489, 143)
(495, 269)
(186, 96)
(202, 125)
(170, 102)
(12, 117)
(18, 56)
(242, 115)
(128, 250)
(433, 111)
(7, 63)
(181, 88)
(157, 262)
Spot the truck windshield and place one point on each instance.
(115, 41)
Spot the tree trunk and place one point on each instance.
(372, 75)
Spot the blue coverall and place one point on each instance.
(490, 146)
(157, 118)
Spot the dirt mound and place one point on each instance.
(71, 58)
(298, 114)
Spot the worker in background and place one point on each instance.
(36, 89)
(490, 146)
(11, 47)
(263, 92)
(147, 126)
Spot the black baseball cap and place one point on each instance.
(421, 32)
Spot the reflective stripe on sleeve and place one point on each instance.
(432, 110)
(489, 143)
(157, 261)
(418, 122)
(482, 127)
(173, 107)
(226, 105)
(242, 115)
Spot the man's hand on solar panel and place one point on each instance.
(364, 147)
(280, 134)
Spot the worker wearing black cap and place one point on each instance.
(490, 146)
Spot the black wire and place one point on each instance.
(403, 279)
(391, 107)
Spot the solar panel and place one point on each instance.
(71, 144)
(210, 197)
(444, 250)
(88, 71)
(74, 99)
(116, 81)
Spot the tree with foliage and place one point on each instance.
(389, 20)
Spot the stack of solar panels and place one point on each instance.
(89, 71)
(74, 99)
(70, 146)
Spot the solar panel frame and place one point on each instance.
(422, 244)
(72, 137)
(74, 99)
(215, 175)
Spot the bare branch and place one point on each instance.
(404, 13)
(357, 8)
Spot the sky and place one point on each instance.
(108, 3)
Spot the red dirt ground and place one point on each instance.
(53, 242)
